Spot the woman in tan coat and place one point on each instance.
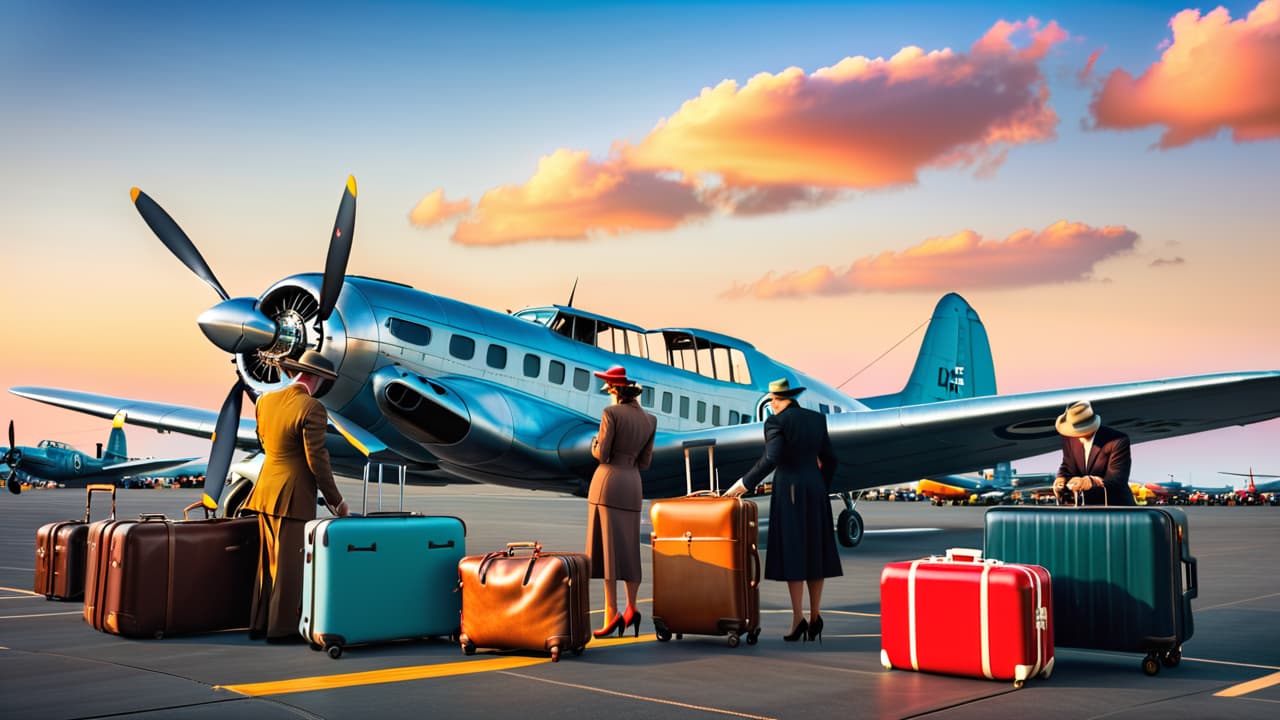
(624, 447)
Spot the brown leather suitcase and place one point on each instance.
(526, 601)
(706, 563)
(60, 552)
(154, 577)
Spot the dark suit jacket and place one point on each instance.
(291, 428)
(1109, 460)
(794, 440)
(624, 447)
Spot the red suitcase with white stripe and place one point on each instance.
(963, 615)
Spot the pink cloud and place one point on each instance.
(792, 140)
(1086, 74)
(1062, 252)
(1216, 73)
(570, 197)
(434, 209)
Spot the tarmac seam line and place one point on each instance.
(632, 696)
(1238, 602)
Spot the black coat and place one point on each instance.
(801, 535)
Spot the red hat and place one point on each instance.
(616, 375)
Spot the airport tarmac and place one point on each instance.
(52, 665)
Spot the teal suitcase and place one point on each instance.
(381, 577)
(1123, 577)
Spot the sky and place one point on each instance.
(1098, 179)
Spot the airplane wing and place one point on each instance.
(897, 445)
(142, 467)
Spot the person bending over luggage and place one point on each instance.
(291, 429)
(802, 547)
(1095, 460)
(624, 447)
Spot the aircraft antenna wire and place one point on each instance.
(886, 352)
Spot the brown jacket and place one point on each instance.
(624, 447)
(291, 428)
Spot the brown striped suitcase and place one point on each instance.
(154, 577)
(526, 601)
(60, 552)
(706, 563)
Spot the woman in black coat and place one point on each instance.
(802, 549)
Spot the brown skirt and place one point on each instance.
(277, 593)
(613, 542)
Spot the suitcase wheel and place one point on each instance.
(1150, 665)
(315, 646)
(577, 652)
(753, 637)
(1017, 684)
(660, 629)
(1171, 658)
(335, 651)
(468, 647)
(679, 636)
(555, 653)
(733, 640)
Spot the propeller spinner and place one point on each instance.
(238, 325)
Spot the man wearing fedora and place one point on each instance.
(802, 547)
(1095, 459)
(291, 430)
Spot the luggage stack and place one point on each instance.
(523, 598)
(1118, 574)
(61, 549)
(963, 615)
(155, 577)
(706, 563)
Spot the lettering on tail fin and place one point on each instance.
(951, 379)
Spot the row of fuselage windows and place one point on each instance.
(496, 357)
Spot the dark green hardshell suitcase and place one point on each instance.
(1123, 577)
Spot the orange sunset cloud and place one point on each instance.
(570, 197)
(791, 140)
(1216, 73)
(434, 209)
(1062, 252)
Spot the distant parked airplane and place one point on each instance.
(58, 461)
(1002, 483)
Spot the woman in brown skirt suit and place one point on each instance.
(624, 447)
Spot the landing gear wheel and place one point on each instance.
(1171, 658)
(555, 653)
(1150, 665)
(733, 640)
(753, 637)
(335, 651)
(468, 648)
(849, 528)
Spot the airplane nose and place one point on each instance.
(237, 326)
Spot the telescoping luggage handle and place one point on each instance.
(713, 482)
(88, 498)
(401, 472)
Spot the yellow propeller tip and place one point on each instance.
(351, 185)
(209, 502)
(133, 194)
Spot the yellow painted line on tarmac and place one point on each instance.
(1245, 688)
(414, 672)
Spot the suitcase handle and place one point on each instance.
(703, 493)
(433, 545)
(186, 511)
(1193, 580)
(755, 566)
(151, 516)
(536, 547)
(88, 498)
(487, 562)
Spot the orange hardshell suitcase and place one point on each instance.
(706, 562)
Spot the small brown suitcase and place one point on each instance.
(706, 563)
(154, 577)
(60, 552)
(536, 601)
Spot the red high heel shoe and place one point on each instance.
(614, 624)
(632, 617)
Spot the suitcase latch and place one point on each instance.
(40, 552)
(1042, 618)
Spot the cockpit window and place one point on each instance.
(541, 316)
(410, 332)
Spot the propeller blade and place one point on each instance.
(335, 266)
(224, 445)
(173, 238)
(11, 443)
(12, 482)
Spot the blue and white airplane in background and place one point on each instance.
(63, 464)
(458, 392)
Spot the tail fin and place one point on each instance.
(954, 361)
(117, 450)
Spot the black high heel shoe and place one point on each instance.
(815, 629)
(632, 617)
(607, 630)
(799, 633)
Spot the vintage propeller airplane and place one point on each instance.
(996, 488)
(456, 391)
(1252, 493)
(59, 462)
